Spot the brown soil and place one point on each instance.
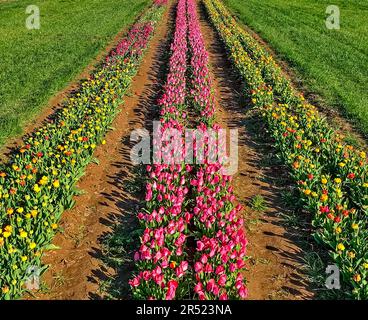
(76, 269)
(275, 269)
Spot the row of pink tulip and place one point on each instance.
(221, 242)
(183, 200)
(201, 95)
(132, 43)
(220, 239)
(162, 259)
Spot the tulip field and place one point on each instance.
(189, 236)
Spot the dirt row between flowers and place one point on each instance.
(76, 269)
(276, 266)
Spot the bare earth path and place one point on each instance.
(76, 270)
(275, 268)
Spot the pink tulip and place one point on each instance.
(134, 282)
(210, 285)
(172, 286)
(198, 267)
(200, 245)
(224, 296)
(243, 292)
(222, 280)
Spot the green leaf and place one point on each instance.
(51, 246)
(95, 161)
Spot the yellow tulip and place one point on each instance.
(338, 230)
(6, 234)
(23, 234)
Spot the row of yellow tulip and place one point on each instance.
(331, 175)
(38, 183)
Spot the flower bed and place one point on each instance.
(200, 95)
(219, 232)
(185, 200)
(162, 259)
(38, 183)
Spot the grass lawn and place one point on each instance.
(36, 64)
(331, 63)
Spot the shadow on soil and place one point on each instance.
(119, 245)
